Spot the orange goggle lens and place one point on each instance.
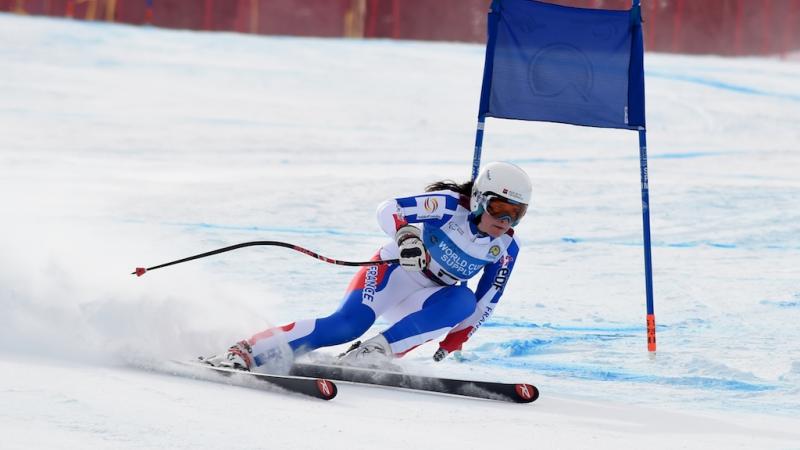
(501, 209)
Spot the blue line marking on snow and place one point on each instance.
(535, 346)
(682, 155)
(688, 155)
(722, 85)
(541, 161)
(524, 347)
(600, 374)
(780, 304)
(688, 244)
(721, 245)
(257, 228)
(684, 244)
(500, 322)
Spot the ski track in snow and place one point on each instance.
(126, 146)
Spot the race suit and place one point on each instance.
(420, 306)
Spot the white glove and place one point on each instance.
(440, 354)
(413, 255)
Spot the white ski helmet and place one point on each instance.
(504, 180)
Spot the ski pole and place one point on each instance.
(141, 270)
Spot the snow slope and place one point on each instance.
(124, 147)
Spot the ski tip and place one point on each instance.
(139, 271)
(326, 389)
(526, 393)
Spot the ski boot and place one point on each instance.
(374, 353)
(238, 357)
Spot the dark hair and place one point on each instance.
(464, 189)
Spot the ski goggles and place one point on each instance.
(503, 209)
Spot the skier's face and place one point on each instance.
(493, 227)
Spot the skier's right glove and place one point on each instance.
(440, 354)
(413, 255)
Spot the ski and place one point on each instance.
(312, 386)
(518, 393)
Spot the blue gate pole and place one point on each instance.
(476, 157)
(486, 84)
(648, 264)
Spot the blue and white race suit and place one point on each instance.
(421, 306)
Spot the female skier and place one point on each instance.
(441, 238)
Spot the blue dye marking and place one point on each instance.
(721, 245)
(531, 161)
(495, 323)
(780, 304)
(540, 161)
(683, 244)
(690, 244)
(600, 374)
(499, 322)
(683, 155)
(723, 85)
(292, 230)
(527, 347)
(688, 155)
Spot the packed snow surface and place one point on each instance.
(123, 147)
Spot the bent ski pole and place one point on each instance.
(142, 270)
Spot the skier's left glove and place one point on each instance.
(440, 354)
